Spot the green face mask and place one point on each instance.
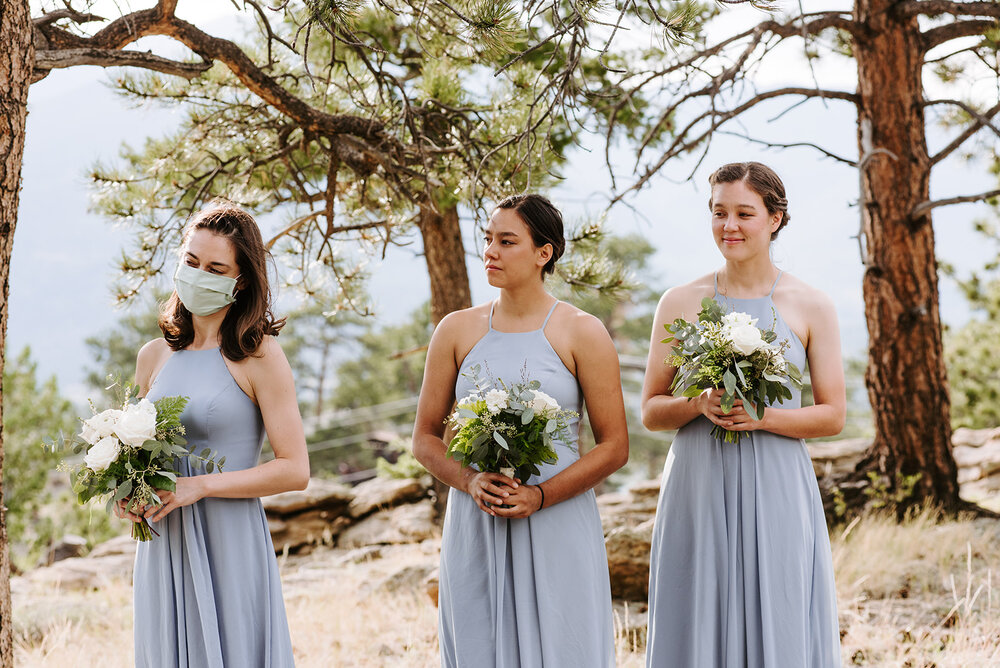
(203, 293)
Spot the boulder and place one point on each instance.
(974, 438)
(837, 458)
(977, 461)
(308, 528)
(320, 494)
(407, 578)
(382, 493)
(432, 584)
(83, 573)
(410, 523)
(122, 545)
(628, 560)
(69, 546)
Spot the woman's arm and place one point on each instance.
(273, 387)
(826, 416)
(437, 397)
(599, 375)
(661, 410)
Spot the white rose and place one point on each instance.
(102, 454)
(138, 424)
(496, 400)
(738, 319)
(746, 339)
(100, 426)
(542, 401)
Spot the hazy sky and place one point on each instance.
(63, 260)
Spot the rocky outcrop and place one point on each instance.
(977, 454)
(409, 523)
(377, 511)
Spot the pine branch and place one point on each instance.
(923, 208)
(47, 60)
(981, 121)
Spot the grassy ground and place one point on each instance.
(917, 595)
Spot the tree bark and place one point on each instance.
(906, 377)
(16, 64)
(445, 257)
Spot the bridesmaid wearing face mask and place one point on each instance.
(206, 588)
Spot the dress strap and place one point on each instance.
(715, 279)
(492, 304)
(551, 311)
(771, 294)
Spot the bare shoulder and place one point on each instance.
(585, 328)
(684, 301)
(269, 354)
(150, 359)
(803, 297)
(457, 322)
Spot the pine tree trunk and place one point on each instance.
(445, 256)
(16, 61)
(906, 377)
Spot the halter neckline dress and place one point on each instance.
(207, 592)
(741, 574)
(531, 592)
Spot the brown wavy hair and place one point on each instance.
(762, 180)
(249, 318)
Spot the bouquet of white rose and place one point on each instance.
(130, 452)
(729, 352)
(507, 430)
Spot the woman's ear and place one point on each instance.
(544, 255)
(776, 221)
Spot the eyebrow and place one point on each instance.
(222, 265)
(503, 234)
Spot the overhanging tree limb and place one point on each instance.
(969, 28)
(924, 207)
(61, 58)
(981, 121)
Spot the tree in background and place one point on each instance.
(114, 351)
(971, 350)
(39, 512)
(896, 48)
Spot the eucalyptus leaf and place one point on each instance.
(501, 440)
(527, 416)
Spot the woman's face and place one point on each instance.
(208, 251)
(741, 225)
(509, 252)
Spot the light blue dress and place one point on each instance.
(740, 572)
(206, 590)
(531, 592)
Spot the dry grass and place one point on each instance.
(914, 595)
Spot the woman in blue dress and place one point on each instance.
(207, 592)
(524, 574)
(740, 569)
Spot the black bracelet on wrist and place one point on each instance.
(542, 492)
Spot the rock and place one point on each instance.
(361, 555)
(406, 578)
(83, 573)
(973, 438)
(837, 458)
(69, 546)
(645, 492)
(309, 528)
(410, 523)
(983, 460)
(320, 494)
(382, 493)
(628, 560)
(432, 584)
(122, 545)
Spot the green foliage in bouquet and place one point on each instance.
(131, 452)
(512, 427)
(728, 352)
